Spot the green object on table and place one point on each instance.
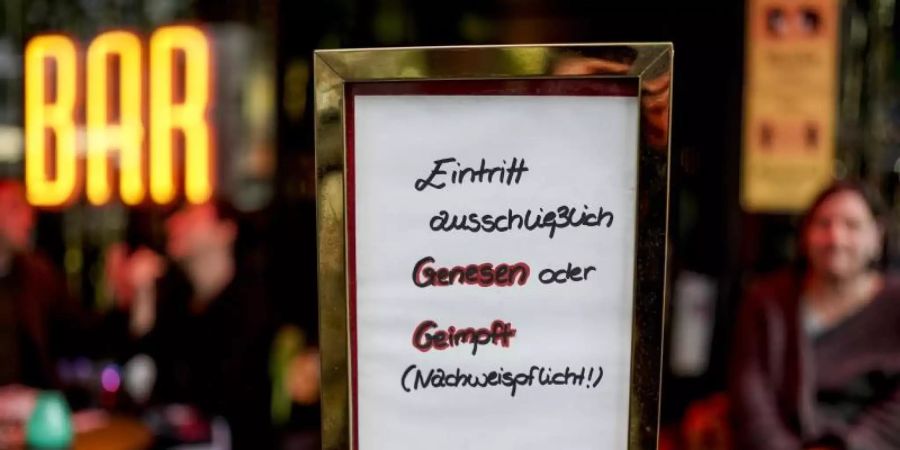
(50, 425)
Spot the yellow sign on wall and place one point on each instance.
(178, 88)
(790, 101)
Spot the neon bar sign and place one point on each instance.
(178, 88)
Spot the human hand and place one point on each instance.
(115, 269)
(16, 404)
(303, 378)
(131, 280)
(127, 275)
(144, 267)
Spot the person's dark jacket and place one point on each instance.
(49, 323)
(215, 359)
(839, 389)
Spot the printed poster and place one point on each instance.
(790, 101)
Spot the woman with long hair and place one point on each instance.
(816, 361)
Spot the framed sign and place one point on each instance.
(492, 245)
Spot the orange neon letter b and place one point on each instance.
(50, 110)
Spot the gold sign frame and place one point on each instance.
(648, 64)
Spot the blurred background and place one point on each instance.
(771, 101)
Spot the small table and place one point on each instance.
(119, 433)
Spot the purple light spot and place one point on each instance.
(84, 370)
(110, 379)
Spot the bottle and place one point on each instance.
(50, 425)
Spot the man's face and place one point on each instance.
(196, 231)
(16, 218)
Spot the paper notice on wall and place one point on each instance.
(492, 270)
(790, 101)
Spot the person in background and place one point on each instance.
(39, 321)
(19, 298)
(201, 314)
(817, 351)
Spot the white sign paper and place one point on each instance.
(496, 190)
